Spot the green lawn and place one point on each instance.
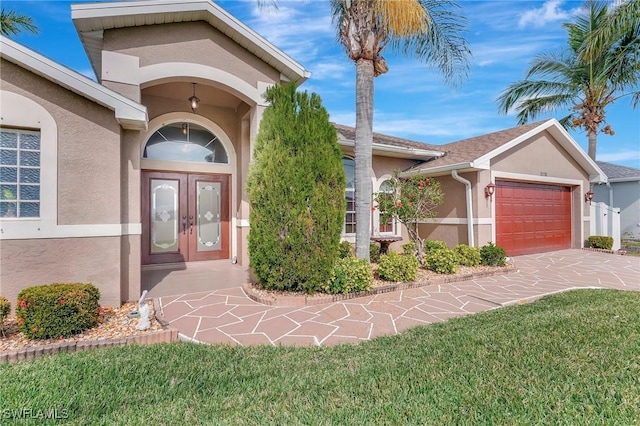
(572, 358)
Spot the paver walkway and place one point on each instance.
(229, 316)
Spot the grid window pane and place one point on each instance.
(29, 141)
(8, 174)
(29, 209)
(29, 158)
(19, 174)
(8, 139)
(8, 209)
(29, 175)
(29, 192)
(8, 158)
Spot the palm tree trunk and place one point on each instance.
(592, 144)
(363, 149)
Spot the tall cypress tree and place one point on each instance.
(296, 192)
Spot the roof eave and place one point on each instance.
(95, 17)
(442, 170)
(396, 152)
(130, 114)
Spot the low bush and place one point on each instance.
(600, 242)
(374, 252)
(5, 309)
(431, 245)
(492, 255)
(410, 248)
(350, 275)
(345, 250)
(443, 261)
(55, 310)
(467, 256)
(398, 267)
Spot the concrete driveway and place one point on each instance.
(229, 316)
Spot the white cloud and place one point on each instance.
(549, 12)
(620, 156)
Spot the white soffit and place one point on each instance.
(131, 115)
(91, 19)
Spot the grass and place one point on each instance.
(572, 358)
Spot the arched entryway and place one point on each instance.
(187, 174)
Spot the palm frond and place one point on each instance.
(401, 18)
(620, 20)
(11, 23)
(442, 45)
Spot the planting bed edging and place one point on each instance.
(168, 335)
(257, 295)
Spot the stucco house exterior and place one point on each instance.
(102, 181)
(622, 190)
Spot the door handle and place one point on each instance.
(190, 224)
(184, 225)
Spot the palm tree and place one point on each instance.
(11, 23)
(583, 83)
(427, 29)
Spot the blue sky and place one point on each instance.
(411, 100)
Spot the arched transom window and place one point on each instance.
(185, 142)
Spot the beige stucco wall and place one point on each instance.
(66, 260)
(90, 194)
(88, 149)
(194, 42)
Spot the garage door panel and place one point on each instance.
(532, 218)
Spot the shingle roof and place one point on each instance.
(616, 172)
(468, 150)
(349, 133)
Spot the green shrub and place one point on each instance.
(296, 192)
(5, 309)
(600, 242)
(374, 252)
(443, 261)
(492, 255)
(467, 256)
(350, 275)
(409, 248)
(431, 245)
(54, 310)
(398, 268)
(345, 249)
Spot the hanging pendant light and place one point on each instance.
(194, 101)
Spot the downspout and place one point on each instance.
(467, 184)
(610, 194)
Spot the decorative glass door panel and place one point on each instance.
(185, 217)
(165, 224)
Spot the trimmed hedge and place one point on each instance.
(410, 248)
(5, 309)
(600, 242)
(492, 255)
(467, 256)
(350, 275)
(442, 261)
(398, 268)
(57, 310)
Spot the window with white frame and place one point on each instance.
(388, 227)
(19, 173)
(350, 195)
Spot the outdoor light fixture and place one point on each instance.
(489, 190)
(194, 100)
(588, 196)
(185, 128)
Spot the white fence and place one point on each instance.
(605, 220)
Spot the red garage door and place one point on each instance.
(532, 218)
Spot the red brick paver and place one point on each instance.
(229, 316)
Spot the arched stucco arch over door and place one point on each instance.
(188, 187)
